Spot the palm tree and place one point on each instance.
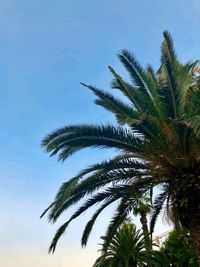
(157, 143)
(126, 249)
(142, 209)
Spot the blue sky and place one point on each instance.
(46, 49)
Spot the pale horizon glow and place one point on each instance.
(46, 49)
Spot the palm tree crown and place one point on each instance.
(157, 143)
(127, 248)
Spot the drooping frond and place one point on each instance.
(111, 192)
(92, 184)
(157, 208)
(47, 209)
(71, 139)
(57, 236)
(118, 162)
(121, 170)
(90, 223)
(65, 192)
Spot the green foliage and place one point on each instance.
(179, 249)
(126, 247)
(156, 141)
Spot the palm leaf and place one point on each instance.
(90, 223)
(122, 212)
(194, 123)
(157, 207)
(168, 48)
(71, 139)
(65, 197)
(123, 112)
(111, 192)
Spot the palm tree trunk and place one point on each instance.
(194, 229)
(145, 229)
(132, 264)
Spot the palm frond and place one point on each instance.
(90, 223)
(129, 91)
(168, 48)
(54, 214)
(65, 197)
(71, 139)
(168, 89)
(151, 126)
(123, 112)
(167, 75)
(194, 123)
(192, 108)
(136, 72)
(111, 192)
(186, 87)
(122, 212)
(157, 140)
(157, 207)
(47, 209)
(57, 236)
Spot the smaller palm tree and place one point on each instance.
(126, 249)
(142, 208)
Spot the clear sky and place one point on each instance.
(46, 49)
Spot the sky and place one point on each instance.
(46, 49)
